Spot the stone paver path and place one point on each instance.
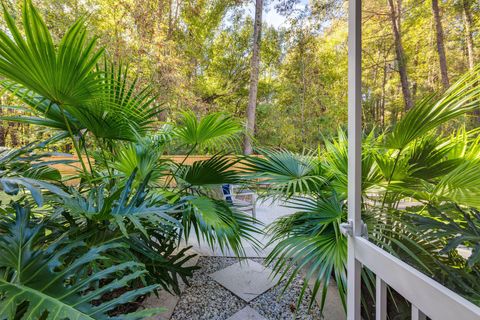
(224, 289)
(247, 313)
(246, 279)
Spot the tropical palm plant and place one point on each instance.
(193, 187)
(409, 164)
(456, 226)
(137, 204)
(65, 89)
(215, 129)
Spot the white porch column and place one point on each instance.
(354, 153)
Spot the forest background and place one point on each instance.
(198, 55)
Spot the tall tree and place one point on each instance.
(468, 26)
(254, 71)
(440, 44)
(395, 18)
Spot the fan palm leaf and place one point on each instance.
(310, 241)
(211, 130)
(62, 87)
(219, 224)
(62, 74)
(216, 170)
(463, 96)
(287, 173)
(461, 185)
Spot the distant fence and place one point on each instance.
(72, 168)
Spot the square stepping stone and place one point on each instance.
(247, 279)
(247, 313)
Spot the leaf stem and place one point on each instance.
(77, 149)
(391, 176)
(180, 165)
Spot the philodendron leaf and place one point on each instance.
(11, 186)
(49, 282)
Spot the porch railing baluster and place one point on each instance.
(417, 314)
(381, 300)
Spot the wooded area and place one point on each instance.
(198, 55)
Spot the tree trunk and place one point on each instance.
(304, 87)
(402, 66)
(467, 22)
(254, 71)
(440, 44)
(468, 28)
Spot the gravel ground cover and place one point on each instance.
(205, 299)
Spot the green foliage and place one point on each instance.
(310, 241)
(119, 204)
(48, 280)
(61, 74)
(133, 203)
(118, 228)
(288, 173)
(212, 130)
(407, 166)
(144, 156)
(23, 168)
(196, 56)
(63, 87)
(120, 212)
(220, 224)
(215, 171)
(455, 225)
(460, 98)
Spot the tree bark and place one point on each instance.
(401, 61)
(254, 71)
(382, 100)
(468, 22)
(440, 44)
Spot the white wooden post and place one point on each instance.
(354, 153)
(417, 314)
(381, 300)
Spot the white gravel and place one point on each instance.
(205, 299)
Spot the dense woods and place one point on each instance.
(200, 77)
(198, 55)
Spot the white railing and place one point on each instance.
(428, 297)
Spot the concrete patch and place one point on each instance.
(247, 279)
(247, 313)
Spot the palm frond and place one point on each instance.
(309, 243)
(287, 173)
(461, 185)
(456, 226)
(61, 86)
(219, 224)
(463, 96)
(144, 157)
(62, 74)
(212, 130)
(216, 170)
